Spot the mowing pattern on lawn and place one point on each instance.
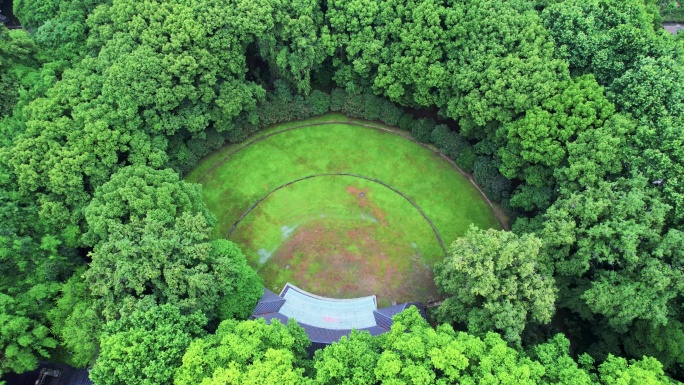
(340, 235)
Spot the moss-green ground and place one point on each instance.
(340, 236)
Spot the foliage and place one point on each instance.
(535, 145)
(23, 341)
(603, 37)
(248, 352)
(496, 280)
(92, 89)
(454, 146)
(422, 129)
(391, 47)
(76, 321)
(612, 255)
(33, 265)
(414, 352)
(16, 59)
(129, 344)
(487, 175)
(136, 193)
(508, 69)
(293, 48)
(152, 235)
(171, 263)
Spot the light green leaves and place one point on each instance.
(496, 280)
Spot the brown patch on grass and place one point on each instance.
(347, 263)
(363, 200)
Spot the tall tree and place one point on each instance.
(146, 347)
(611, 253)
(499, 65)
(246, 352)
(151, 236)
(534, 146)
(136, 193)
(496, 280)
(603, 37)
(292, 47)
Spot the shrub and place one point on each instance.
(487, 175)
(318, 102)
(372, 105)
(354, 105)
(389, 113)
(406, 122)
(454, 146)
(214, 140)
(337, 99)
(422, 129)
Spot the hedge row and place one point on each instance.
(281, 106)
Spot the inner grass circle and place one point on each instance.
(342, 234)
(235, 177)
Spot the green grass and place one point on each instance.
(400, 243)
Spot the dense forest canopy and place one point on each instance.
(569, 113)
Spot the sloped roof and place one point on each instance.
(270, 302)
(326, 320)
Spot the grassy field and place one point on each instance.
(340, 236)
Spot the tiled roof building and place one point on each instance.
(326, 320)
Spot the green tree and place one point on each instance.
(292, 45)
(76, 321)
(349, 360)
(415, 353)
(508, 69)
(246, 352)
(603, 37)
(533, 147)
(17, 52)
(172, 263)
(33, 269)
(23, 340)
(146, 347)
(650, 92)
(611, 253)
(559, 366)
(151, 236)
(618, 370)
(135, 193)
(496, 280)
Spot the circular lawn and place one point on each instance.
(339, 208)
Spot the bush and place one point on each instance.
(372, 105)
(390, 113)
(181, 159)
(243, 128)
(466, 159)
(318, 102)
(422, 129)
(454, 146)
(406, 122)
(337, 99)
(487, 175)
(198, 147)
(364, 106)
(354, 105)
(214, 140)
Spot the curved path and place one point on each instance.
(502, 222)
(422, 213)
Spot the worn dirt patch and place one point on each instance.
(363, 200)
(347, 263)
